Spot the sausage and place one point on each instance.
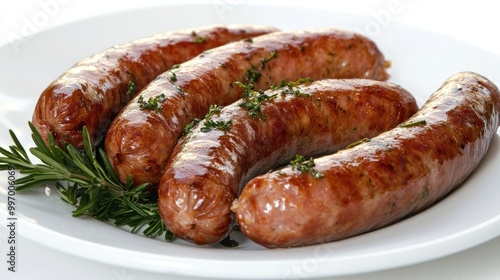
(140, 141)
(93, 91)
(206, 169)
(381, 181)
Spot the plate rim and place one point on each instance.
(58, 236)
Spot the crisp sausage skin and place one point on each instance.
(94, 90)
(140, 141)
(206, 169)
(396, 174)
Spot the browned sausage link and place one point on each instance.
(376, 183)
(206, 168)
(139, 141)
(93, 91)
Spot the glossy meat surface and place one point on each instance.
(206, 169)
(93, 91)
(140, 141)
(396, 174)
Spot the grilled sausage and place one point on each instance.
(396, 174)
(94, 90)
(208, 166)
(139, 141)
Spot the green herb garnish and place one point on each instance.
(300, 81)
(252, 100)
(153, 103)
(289, 87)
(263, 61)
(364, 140)
(173, 78)
(228, 242)
(190, 126)
(92, 186)
(306, 166)
(212, 110)
(209, 125)
(414, 123)
(252, 75)
(131, 87)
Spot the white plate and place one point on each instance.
(421, 62)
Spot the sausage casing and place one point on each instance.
(395, 174)
(139, 141)
(94, 90)
(206, 169)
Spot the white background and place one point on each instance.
(475, 21)
(472, 21)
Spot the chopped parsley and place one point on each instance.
(289, 87)
(212, 110)
(153, 103)
(252, 75)
(252, 100)
(209, 123)
(298, 82)
(173, 78)
(306, 166)
(131, 87)
(190, 126)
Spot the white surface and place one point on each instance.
(466, 22)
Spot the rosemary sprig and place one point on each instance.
(92, 185)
